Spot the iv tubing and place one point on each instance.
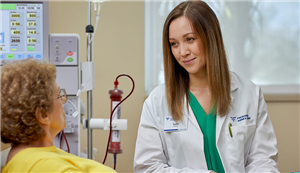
(63, 133)
(97, 19)
(110, 122)
(115, 161)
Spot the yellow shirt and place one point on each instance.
(52, 159)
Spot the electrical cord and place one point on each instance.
(110, 122)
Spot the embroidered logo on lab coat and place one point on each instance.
(171, 125)
(169, 118)
(233, 118)
(243, 117)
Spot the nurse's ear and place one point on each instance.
(42, 118)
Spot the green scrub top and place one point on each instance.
(207, 125)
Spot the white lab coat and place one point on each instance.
(253, 147)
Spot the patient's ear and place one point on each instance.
(43, 119)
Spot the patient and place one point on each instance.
(32, 115)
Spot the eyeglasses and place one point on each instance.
(63, 96)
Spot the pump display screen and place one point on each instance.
(21, 31)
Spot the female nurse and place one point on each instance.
(204, 118)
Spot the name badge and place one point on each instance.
(171, 125)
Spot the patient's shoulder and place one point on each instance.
(38, 159)
(30, 153)
(46, 165)
(14, 151)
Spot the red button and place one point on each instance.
(70, 53)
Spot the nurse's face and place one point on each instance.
(186, 46)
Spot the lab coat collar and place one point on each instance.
(220, 120)
(187, 112)
(233, 82)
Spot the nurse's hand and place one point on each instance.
(212, 172)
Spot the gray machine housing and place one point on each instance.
(68, 70)
(64, 53)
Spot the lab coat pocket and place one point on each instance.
(237, 143)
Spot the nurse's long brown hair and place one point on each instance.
(207, 26)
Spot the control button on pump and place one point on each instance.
(38, 56)
(70, 53)
(10, 56)
(56, 59)
(29, 56)
(70, 59)
(57, 53)
(2, 56)
(56, 47)
(19, 56)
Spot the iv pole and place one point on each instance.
(90, 32)
(120, 124)
(90, 92)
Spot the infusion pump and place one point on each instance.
(64, 53)
(24, 33)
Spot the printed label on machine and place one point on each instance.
(115, 136)
(117, 115)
